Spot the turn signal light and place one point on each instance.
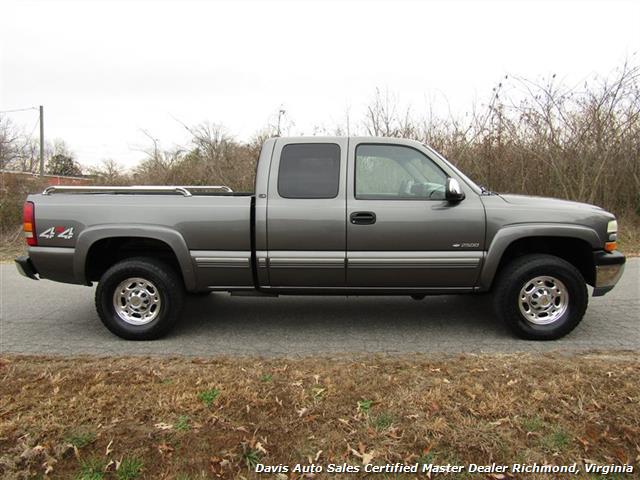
(610, 246)
(29, 224)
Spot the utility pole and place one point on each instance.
(41, 141)
(281, 112)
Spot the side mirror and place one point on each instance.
(453, 192)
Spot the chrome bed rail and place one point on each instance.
(134, 190)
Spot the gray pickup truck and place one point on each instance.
(329, 216)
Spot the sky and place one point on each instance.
(107, 72)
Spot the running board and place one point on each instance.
(251, 293)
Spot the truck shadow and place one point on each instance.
(339, 320)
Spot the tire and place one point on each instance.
(540, 297)
(150, 300)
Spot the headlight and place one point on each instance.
(612, 234)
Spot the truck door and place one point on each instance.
(401, 232)
(306, 208)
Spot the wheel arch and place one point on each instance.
(98, 248)
(572, 243)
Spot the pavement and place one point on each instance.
(44, 317)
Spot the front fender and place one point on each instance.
(100, 232)
(510, 233)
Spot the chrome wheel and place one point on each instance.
(543, 300)
(137, 301)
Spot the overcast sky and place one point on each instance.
(106, 70)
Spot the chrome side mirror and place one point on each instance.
(453, 192)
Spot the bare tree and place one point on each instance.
(9, 143)
(110, 172)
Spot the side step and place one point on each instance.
(252, 293)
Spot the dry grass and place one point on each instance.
(12, 244)
(629, 235)
(194, 418)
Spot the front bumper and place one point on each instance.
(26, 268)
(609, 268)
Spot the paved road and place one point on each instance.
(52, 318)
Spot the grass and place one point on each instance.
(182, 424)
(629, 235)
(91, 469)
(364, 406)
(532, 424)
(81, 438)
(382, 421)
(209, 396)
(129, 469)
(562, 409)
(251, 457)
(556, 441)
(12, 244)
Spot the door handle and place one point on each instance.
(362, 218)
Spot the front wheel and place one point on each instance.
(139, 298)
(540, 297)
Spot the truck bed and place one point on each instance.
(215, 227)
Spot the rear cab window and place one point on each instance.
(309, 170)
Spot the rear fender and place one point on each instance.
(171, 237)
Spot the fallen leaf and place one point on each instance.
(499, 422)
(260, 448)
(365, 457)
(165, 449)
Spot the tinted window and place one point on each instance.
(309, 170)
(397, 172)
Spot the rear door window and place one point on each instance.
(309, 170)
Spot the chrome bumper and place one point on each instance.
(609, 269)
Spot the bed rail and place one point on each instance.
(184, 190)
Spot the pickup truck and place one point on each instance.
(329, 216)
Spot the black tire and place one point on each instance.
(160, 275)
(512, 279)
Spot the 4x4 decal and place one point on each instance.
(60, 232)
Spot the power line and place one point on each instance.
(18, 110)
(34, 127)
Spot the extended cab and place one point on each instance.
(330, 215)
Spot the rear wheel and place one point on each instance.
(540, 297)
(139, 298)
